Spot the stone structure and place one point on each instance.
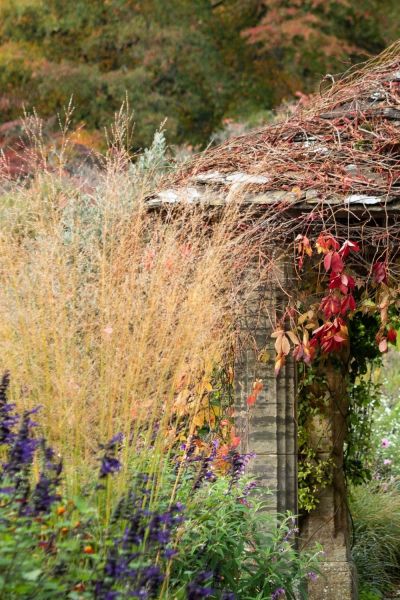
(269, 428)
(337, 166)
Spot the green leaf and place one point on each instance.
(32, 575)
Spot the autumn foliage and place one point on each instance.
(323, 327)
(194, 62)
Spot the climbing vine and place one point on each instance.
(343, 319)
(314, 470)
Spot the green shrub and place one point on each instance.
(248, 550)
(367, 593)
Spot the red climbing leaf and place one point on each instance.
(379, 272)
(251, 400)
(325, 243)
(330, 306)
(333, 261)
(331, 336)
(348, 304)
(348, 247)
(342, 282)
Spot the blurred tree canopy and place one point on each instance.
(192, 61)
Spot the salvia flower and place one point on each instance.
(278, 593)
(45, 493)
(8, 419)
(312, 576)
(206, 472)
(130, 561)
(199, 587)
(23, 447)
(252, 485)
(238, 463)
(109, 463)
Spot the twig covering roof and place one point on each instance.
(342, 148)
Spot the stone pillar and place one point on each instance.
(329, 523)
(267, 428)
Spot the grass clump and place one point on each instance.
(111, 317)
(375, 509)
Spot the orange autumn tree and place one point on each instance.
(311, 37)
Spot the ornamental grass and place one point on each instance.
(375, 509)
(113, 318)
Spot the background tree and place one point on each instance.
(182, 59)
(307, 38)
(192, 61)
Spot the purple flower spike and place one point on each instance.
(8, 420)
(238, 463)
(198, 589)
(23, 447)
(109, 463)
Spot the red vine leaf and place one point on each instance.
(330, 306)
(331, 336)
(251, 400)
(348, 304)
(325, 243)
(342, 282)
(379, 272)
(303, 245)
(333, 261)
(257, 388)
(348, 247)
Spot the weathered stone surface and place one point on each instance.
(338, 581)
(329, 523)
(269, 427)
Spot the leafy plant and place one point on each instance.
(230, 535)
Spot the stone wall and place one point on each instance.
(267, 428)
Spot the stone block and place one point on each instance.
(337, 581)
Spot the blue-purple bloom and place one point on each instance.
(131, 561)
(22, 448)
(278, 593)
(238, 463)
(199, 587)
(45, 492)
(8, 419)
(206, 472)
(109, 463)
